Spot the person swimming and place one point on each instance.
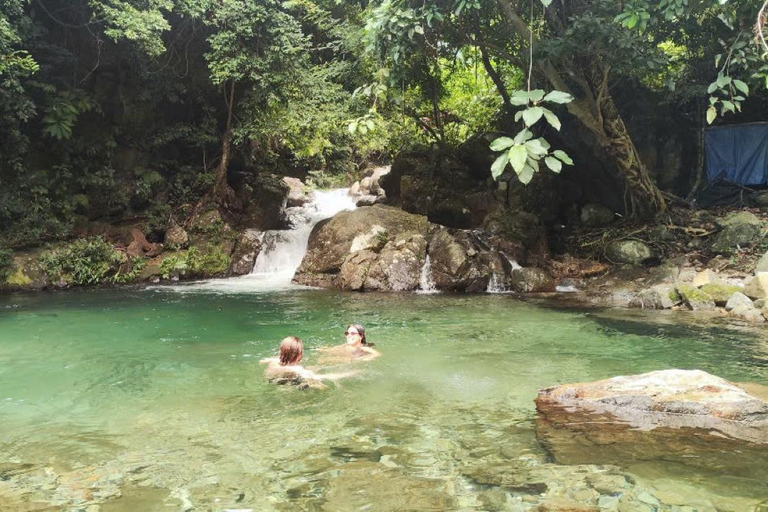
(286, 370)
(356, 348)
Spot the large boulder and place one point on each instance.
(354, 270)
(738, 229)
(661, 296)
(595, 215)
(757, 287)
(741, 305)
(687, 416)
(630, 252)
(398, 266)
(532, 280)
(298, 195)
(456, 261)
(332, 240)
(696, 299)
(245, 252)
(520, 234)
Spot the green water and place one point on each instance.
(123, 400)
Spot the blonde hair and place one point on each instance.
(291, 350)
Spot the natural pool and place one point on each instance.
(132, 400)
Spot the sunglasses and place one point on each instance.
(348, 333)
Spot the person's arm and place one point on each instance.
(309, 374)
(371, 353)
(268, 360)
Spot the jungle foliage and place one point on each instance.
(111, 109)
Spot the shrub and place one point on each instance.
(6, 264)
(89, 261)
(192, 263)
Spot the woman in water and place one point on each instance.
(356, 348)
(285, 369)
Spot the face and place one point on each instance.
(353, 337)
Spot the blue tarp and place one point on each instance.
(738, 153)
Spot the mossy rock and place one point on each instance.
(695, 298)
(719, 292)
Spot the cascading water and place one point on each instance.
(426, 284)
(496, 284)
(283, 250)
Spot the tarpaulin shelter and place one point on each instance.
(737, 153)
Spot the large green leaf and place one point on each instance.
(517, 157)
(499, 165)
(532, 115)
(723, 80)
(711, 114)
(519, 98)
(563, 157)
(551, 118)
(525, 175)
(554, 164)
(536, 95)
(524, 135)
(502, 143)
(741, 86)
(536, 148)
(558, 97)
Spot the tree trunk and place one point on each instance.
(223, 194)
(595, 108)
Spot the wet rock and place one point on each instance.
(298, 195)
(246, 251)
(741, 305)
(720, 292)
(369, 200)
(757, 287)
(331, 241)
(696, 299)
(666, 399)
(176, 237)
(398, 266)
(662, 296)
(532, 280)
(137, 245)
(519, 228)
(737, 229)
(630, 252)
(354, 270)
(456, 265)
(596, 215)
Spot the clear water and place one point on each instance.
(127, 400)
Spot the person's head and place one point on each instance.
(354, 333)
(291, 350)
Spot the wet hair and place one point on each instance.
(291, 350)
(360, 329)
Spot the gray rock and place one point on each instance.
(457, 264)
(354, 270)
(532, 280)
(737, 229)
(298, 195)
(757, 287)
(596, 215)
(631, 252)
(370, 200)
(176, 237)
(662, 296)
(762, 264)
(398, 266)
(245, 252)
(742, 306)
(696, 299)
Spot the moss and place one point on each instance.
(213, 261)
(19, 278)
(674, 296)
(691, 293)
(720, 292)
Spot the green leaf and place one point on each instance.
(517, 157)
(352, 127)
(518, 115)
(546, 2)
(519, 98)
(631, 21)
(552, 119)
(563, 157)
(499, 165)
(558, 97)
(544, 143)
(524, 135)
(525, 175)
(712, 88)
(535, 148)
(711, 114)
(722, 80)
(502, 143)
(727, 105)
(741, 86)
(536, 95)
(554, 164)
(370, 124)
(532, 115)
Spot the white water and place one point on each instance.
(496, 284)
(283, 250)
(426, 284)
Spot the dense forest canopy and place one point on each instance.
(119, 108)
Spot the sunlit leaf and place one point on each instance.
(554, 164)
(525, 175)
(711, 114)
(532, 115)
(741, 86)
(563, 157)
(524, 135)
(499, 165)
(552, 119)
(502, 143)
(517, 157)
(558, 97)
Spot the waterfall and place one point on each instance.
(283, 250)
(496, 284)
(426, 284)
